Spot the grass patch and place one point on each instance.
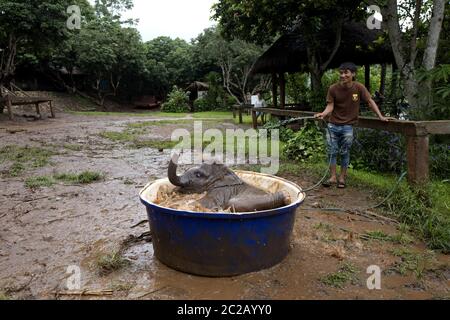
(73, 147)
(146, 124)
(38, 182)
(24, 157)
(128, 182)
(155, 144)
(323, 226)
(399, 238)
(119, 286)
(213, 115)
(109, 262)
(118, 136)
(415, 262)
(4, 296)
(346, 274)
(84, 177)
(130, 114)
(425, 210)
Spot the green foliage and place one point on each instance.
(169, 62)
(285, 133)
(420, 209)
(24, 157)
(261, 21)
(417, 263)
(216, 98)
(298, 88)
(439, 109)
(202, 104)
(84, 177)
(424, 210)
(378, 151)
(440, 161)
(177, 101)
(346, 273)
(235, 59)
(109, 262)
(37, 182)
(306, 144)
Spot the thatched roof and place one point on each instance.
(197, 85)
(288, 53)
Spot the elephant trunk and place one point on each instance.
(172, 172)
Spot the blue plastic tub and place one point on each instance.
(223, 244)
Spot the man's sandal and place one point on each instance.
(328, 184)
(341, 185)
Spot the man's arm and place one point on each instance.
(328, 110)
(374, 107)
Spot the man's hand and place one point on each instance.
(319, 116)
(386, 119)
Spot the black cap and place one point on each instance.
(348, 66)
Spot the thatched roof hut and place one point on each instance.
(289, 53)
(197, 86)
(358, 44)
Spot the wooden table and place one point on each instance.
(11, 101)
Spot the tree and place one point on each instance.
(109, 52)
(235, 59)
(29, 26)
(262, 21)
(410, 42)
(169, 62)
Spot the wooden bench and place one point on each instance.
(11, 101)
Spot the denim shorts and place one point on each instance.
(340, 140)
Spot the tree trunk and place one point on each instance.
(417, 94)
(367, 76)
(316, 80)
(383, 79)
(429, 58)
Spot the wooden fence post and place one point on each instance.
(254, 120)
(417, 150)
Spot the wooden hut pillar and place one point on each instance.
(367, 76)
(282, 90)
(274, 89)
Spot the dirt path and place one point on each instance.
(45, 230)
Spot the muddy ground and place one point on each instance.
(44, 230)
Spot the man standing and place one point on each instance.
(259, 102)
(343, 102)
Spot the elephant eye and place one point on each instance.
(198, 174)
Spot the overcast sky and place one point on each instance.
(173, 18)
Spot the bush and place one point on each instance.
(285, 132)
(306, 144)
(177, 101)
(202, 104)
(440, 161)
(216, 98)
(378, 151)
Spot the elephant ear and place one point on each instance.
(225, 177)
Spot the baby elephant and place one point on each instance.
(224, 189)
